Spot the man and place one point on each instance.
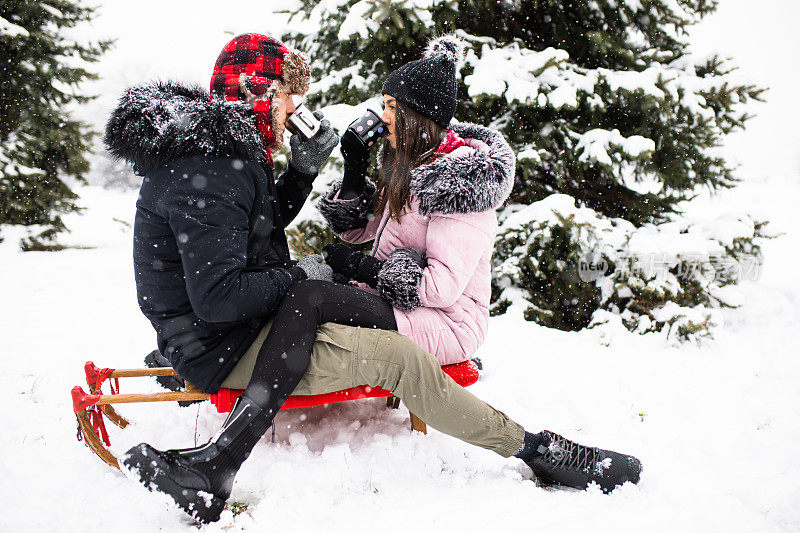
(212, 265)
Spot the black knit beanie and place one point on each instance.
(428, 85)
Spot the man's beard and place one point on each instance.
(278, 127)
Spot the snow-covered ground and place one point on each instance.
(717, 427)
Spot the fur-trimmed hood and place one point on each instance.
(476, 182)
(159, 122)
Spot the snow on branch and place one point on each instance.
(671, 277)
(594, 145)
(9, 29)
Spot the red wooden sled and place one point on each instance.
(92, 407)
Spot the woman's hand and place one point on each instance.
(352, 264)
(356, 163)
(354, 152)
(338, 256)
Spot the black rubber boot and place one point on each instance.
(200, 479)
(174, 383)
(562, 462)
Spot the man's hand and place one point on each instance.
(308, 157)
(314, 268)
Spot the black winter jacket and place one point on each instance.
(210, 254)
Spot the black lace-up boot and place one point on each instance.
(562, 462)
(174, 383)
(200, 479)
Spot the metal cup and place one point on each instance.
(369, 128)
(303, 123)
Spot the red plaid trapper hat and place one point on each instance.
(246, 69)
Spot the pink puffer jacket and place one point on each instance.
(441, 302)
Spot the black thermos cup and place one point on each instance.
(368, 128)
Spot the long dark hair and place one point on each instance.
(417, 137)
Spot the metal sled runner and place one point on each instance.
(91, 408)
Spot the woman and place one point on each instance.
(433, 214)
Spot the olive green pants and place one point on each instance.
(345, 357)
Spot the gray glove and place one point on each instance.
(308, 157)
(314, 268)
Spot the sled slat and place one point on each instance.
(109, 412)
(188, 387)
(418, 425)
(115, 417)
(142, 372)
(106, 399)
(93, 441)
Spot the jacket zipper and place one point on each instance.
(380, 232)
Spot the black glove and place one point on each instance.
(356, 163)
(355, 153)
(352, 264)
(343, 280)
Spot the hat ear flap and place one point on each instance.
(254, 87)
(296, 72)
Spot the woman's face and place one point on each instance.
(389, 107)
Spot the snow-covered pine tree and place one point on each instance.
(604, 103)
(40, 144)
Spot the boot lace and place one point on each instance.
(563, 453)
